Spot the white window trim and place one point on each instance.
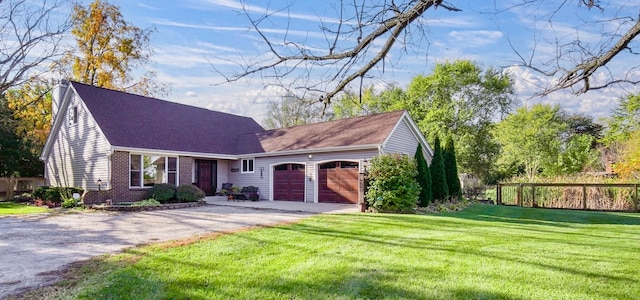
(165, 173)
(253, 170)
(73, 115)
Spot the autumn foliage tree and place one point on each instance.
(31, 107)
(108, 49)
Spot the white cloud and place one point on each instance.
(476, 38)
(239, 6)
(191, 94)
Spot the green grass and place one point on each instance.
(484, 252)
(10, 208)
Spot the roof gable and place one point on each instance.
(371, 130)
(135, 121)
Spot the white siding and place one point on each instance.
(222, 173)
(241, 180)
(402, 140)
(264, 182)
(80, 153)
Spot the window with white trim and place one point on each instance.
(73, 115)
(247, 165)
(147, 170)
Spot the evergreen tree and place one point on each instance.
(451, 170)
(423, 178)
(439, 186)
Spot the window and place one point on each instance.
(281, 167)
(73, 115)
(247, 165)
(172, 169)
(147, 170)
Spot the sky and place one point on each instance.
(198, 42)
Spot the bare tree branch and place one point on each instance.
(369, 24)
(30, 35)
(584, 71)
(582, 60)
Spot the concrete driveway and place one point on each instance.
(34, 247)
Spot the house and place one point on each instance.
(116, 145)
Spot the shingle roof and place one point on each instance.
(134, 121)
(359, 131)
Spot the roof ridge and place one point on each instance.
(342, 120)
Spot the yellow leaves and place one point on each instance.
(31, 106)
(108, 50)
(629, 164)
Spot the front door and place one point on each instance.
(206, 171)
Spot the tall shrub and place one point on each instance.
(423, 178)
(392, 183)
(438, 177)
(451, 170)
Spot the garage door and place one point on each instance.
(288, 182)
(338, 182)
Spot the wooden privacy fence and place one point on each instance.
(10, 186)
(585, 196)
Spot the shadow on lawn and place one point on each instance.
(543, 216)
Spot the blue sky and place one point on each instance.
(193, 36)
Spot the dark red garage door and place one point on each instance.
(338, 182)
(288, 182)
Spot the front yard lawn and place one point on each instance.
(11, 208)
(484, 252)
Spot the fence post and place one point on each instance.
(635, 197)
(498, 194)
(533, 196)
(519, 195)
(584, 197)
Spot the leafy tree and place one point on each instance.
(439, 185)
(624, 120)
(368, 102)
(108, 49)
(423, 178)
(460, 100)
(577, 153)
(392, 183)
(292, 111)
(451, 170)
(31, 105)
(16, 157)
(629, 164)
(531, 137)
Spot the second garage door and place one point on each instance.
(338, 182)
(288, 182)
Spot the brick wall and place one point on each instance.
(120, 191)
(185, 173)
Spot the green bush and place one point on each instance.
(69, 203)
(147, 202)
(392, 183)
(24, 198)
(162, 192)
(189, 193)
(39, 192)
(57, 194)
